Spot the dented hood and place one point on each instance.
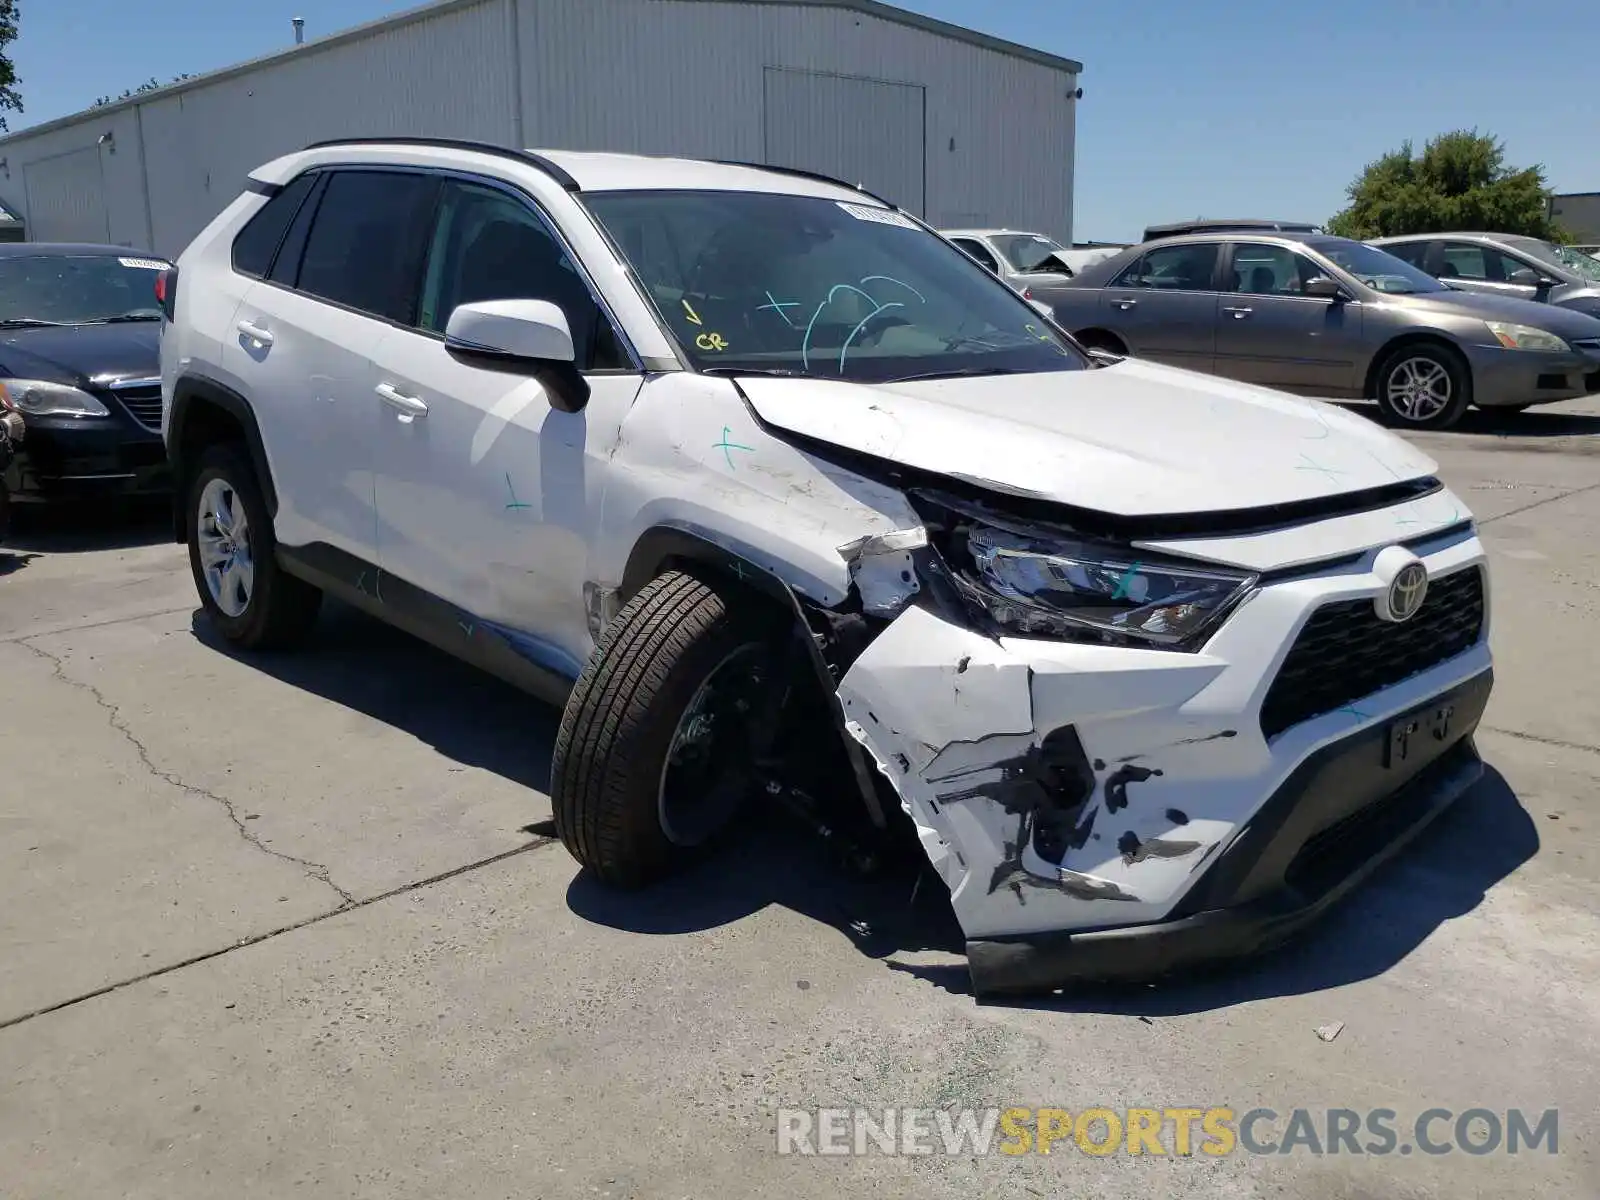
(1132, 439)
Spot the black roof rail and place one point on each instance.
(800, 173)
(523, 156)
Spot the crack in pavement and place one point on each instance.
(256, 939)
(1542, 741)
(1539, 503)
(21, 638)
(114, 717)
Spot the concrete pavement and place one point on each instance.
(296, 927)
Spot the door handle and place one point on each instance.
(1239, 314)
(407, 406)
(255, 333)
(1125, 305)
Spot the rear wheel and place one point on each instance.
(250, 600)
(1423, 386)
(660, 740)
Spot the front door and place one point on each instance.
(1271, 333)
(1164, 306)
(486, 495)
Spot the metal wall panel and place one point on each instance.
(69, 194)
(56, 208)
(652, 76)
(688, 77)
(449, 76)
(814, 121)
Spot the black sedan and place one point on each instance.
(80, 331)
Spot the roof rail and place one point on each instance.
(523, 156)
(800, 173)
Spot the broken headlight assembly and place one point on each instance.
(1041, 583)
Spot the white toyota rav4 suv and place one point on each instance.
(775, 490)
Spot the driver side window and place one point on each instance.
(488, 245)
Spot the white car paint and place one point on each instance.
(518, 514)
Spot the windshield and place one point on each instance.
(1028, 251)
(1378, 269)
(798, 285)
(1574, 261)
(78, 289)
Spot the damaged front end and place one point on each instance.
(1072, 722)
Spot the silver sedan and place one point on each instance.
(1326, 316)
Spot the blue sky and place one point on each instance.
(1214, 107)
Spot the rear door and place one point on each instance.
(1164, 305)
(1271, 333)
(303, 341)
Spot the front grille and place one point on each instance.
(1347, 652)
(143, 403)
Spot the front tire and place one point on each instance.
(252, 602)
(654, 755)
(1423, 386)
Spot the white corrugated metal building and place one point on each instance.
(959, 127)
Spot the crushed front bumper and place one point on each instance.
(1100, 812)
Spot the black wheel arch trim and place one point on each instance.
(663, 547)
(189, 393)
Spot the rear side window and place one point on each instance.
(977, 250)
(1415, 253)
(257, 242)
(368, 241)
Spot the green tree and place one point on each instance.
(10, 98)
(1459, 181)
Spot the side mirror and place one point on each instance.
(1325, 288)
(530, 336)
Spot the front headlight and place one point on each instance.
(1526, 337)
(36, 398)
(1045, 586)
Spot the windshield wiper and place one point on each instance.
(730, 371)
(29, 323)
(959, 373)
(125, 317)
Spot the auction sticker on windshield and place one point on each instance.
(883, 216)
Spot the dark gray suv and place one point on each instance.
(1329, 317)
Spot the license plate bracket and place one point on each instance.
(1417, 735)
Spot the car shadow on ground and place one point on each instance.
(362, 664)
(1443, 875)
(73, 528)
(12, 561)
(1534, 423)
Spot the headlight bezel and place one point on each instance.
(1513, 335)
(47, 398)
(952, 524)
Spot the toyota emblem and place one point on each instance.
(1407, 591)
(1403, 584)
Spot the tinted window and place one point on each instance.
(286, 266)
(489, 245)
(1262, 269)
(1465, 260)
(367, 243)
(802, 285)
(258, 241)
(979, 252)
(1415, 253)
(78, 289)
(1187, 268)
